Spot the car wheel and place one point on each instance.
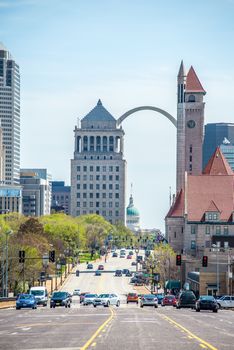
(118, 303)
(94, 305)
(219, 306)
(177, 306)
(142, 305)
(65, 305)
(18, 308)
(51, 306)
(127, 302)
(156, 306)
(197, 310)
(137, 302)
(216, 310)
(162, 305)
(69, 305)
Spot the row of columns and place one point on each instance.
(99, 144)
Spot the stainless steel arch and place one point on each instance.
(150, 108)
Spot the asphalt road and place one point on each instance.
(127, 327)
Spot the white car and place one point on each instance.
(89, 299)
(107, 300)
(76, 292)
(226, 301)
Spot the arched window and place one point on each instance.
(98, 144)
(78, 144)
(191, 98)
(111, 144)
(104, 140)
(85, 143)
(91, 143)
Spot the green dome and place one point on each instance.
(132, 211)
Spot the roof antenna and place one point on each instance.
(78, 122)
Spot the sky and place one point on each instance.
(127, 53)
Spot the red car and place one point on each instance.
(129, 257)
(169, 300)
(101, 267)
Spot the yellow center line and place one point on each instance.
(90, 341)
(202, 342)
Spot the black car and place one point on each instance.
(186, 299)
(206, 302)
(60, 299)
(125, 271)
(115, 255)
(98, 273)
(118, 273)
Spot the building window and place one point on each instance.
(193, 230)
(117, 195)
(84, 177)
(84, 212)
(117, 177)
(225, 230)
(104, 168)
(104, 213)
(104, 177)
(97, 195)
(97, 168)
(191, 98)
(209, 216)
(110, 195)
(91, 168)
(110, 177)
(207, 230)
(97, 177)
(78, 212)
(84, 186)
(97, 204)
(191, 149)
(190, 158)
(78, 195)
(116, 213)
(78, 177)
(117, 186)
(117, 204)
(84, 195)
(78, 204)
(91, 204)
(104, 186)
(215, 216)
(78, 186)
(91, 186)
(84, 204)
(226, 245)
(110, 213)
(218, 230)
(84, 168)
(117, 169)
(91, 195)
(174, 234)
(78, 168)
(91, 177)
(193, 244)
(110, 204)
(104, 195)
(110, 187)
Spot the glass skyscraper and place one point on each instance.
(10, 114)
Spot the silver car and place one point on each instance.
(89, 299)
(107, 300)
(227, 301)
(149, 300)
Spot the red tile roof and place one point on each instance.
(193, 83)
(177, 208)
(218, 165)
(213, 207)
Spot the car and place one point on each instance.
(118, 273)
(206, 302)
(89, 266)
(26, 301)
(107, 300)
(129, 257)
(226, 301)
(41, 294)
(77, 273)
(186, 299)
(124, 271)
(89, 298)
(132, 297)
(131, 252)
(129, 274)
(149, 300)
(60, 299)
(115, 255)
(101, 267)
(160, 297)
(169, 300)
(133, 263)
(82, 295)
(122, 256)
(97, 273)
(76, 292)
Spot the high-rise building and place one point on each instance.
(98, 167)
(190, 123)
(61, 197)
(10, 114)
(217, 134)
(36, 191)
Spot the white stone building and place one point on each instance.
(98, 167)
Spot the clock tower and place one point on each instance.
(190, 125)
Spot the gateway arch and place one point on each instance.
(147, 108)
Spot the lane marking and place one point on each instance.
(94, 344)
(203, 342)
(203, 346)
(87, 344)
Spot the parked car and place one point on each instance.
(186, 299)
(115, 255)
(107, 300)
(130, 253)
(160, 297)
(82, 295)
(41, 294)
(118, 273)
(129, 257)
(89, 298)
(132, 297)
(129, 274)
(77, 273)
(60, 299)
(133, 263)
(226, 301)
(89, 266)
(149, 300)
(100, 267)
(76, 292)
(26, 301)
(124, 271)
(169, 300)
(98, 273)
(206, 302)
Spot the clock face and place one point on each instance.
(191, 124)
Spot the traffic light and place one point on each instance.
(52, 256)
(178, 260)
(21, 256)
(205, 261)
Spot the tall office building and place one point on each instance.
(98, 167)
(10, 114)
(217, 134)
(61, 197)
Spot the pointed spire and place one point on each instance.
(99, 102)
(218, 165)
(193, 84)
(181, 70)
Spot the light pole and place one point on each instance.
(152, 266)
(214, 246)
(137, 251)
(7, 233)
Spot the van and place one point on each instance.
(40, 294)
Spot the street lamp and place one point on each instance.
(152, 267)
(7, 233)
(136, 251)
(216, 247)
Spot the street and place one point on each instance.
(126, 327)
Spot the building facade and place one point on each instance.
(10, 115)
(10, 199)
(36, 191)
(190, 123)
(61, 197)
(98, 167)
(216, 134)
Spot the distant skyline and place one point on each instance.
(127, 53)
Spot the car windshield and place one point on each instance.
(150, 296)
(206, 297)
(25, 297)
(90, 295)
(37, 292)
(104, 295)
(59, 295)
(132, 294)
